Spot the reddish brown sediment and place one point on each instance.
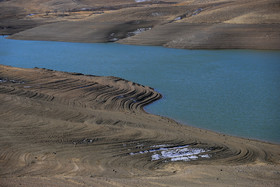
(69, 129)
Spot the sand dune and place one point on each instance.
(69, 129)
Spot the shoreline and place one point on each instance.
(213, 131)
(10, 37)
(52, 121)
(182, 122)
(216, 35)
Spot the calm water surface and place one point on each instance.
(235, 92)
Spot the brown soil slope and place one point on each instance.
(215, 24)
(63, 129)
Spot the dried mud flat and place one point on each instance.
(69, 129)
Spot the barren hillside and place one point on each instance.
(253, 24)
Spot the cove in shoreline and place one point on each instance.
(229, 91)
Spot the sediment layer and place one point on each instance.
(72, 129)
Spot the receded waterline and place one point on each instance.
(236, 92)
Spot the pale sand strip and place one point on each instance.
(63, 129)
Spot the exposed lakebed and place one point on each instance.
(235, 92)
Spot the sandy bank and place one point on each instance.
(62, 129)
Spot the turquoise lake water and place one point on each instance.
(236, 92)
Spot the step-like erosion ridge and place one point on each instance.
(69, 129)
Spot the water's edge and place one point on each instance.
(210, 83)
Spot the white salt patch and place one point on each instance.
(182, 153)
(141, 1)
(180, 159)
(157, 146)
(12, 81)
(138, 31)
(114, 39)
(143, 152)
(197, 11)
(178, 18)
(179, 153)
(205, 156)
(193, 157)
(155, 157)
